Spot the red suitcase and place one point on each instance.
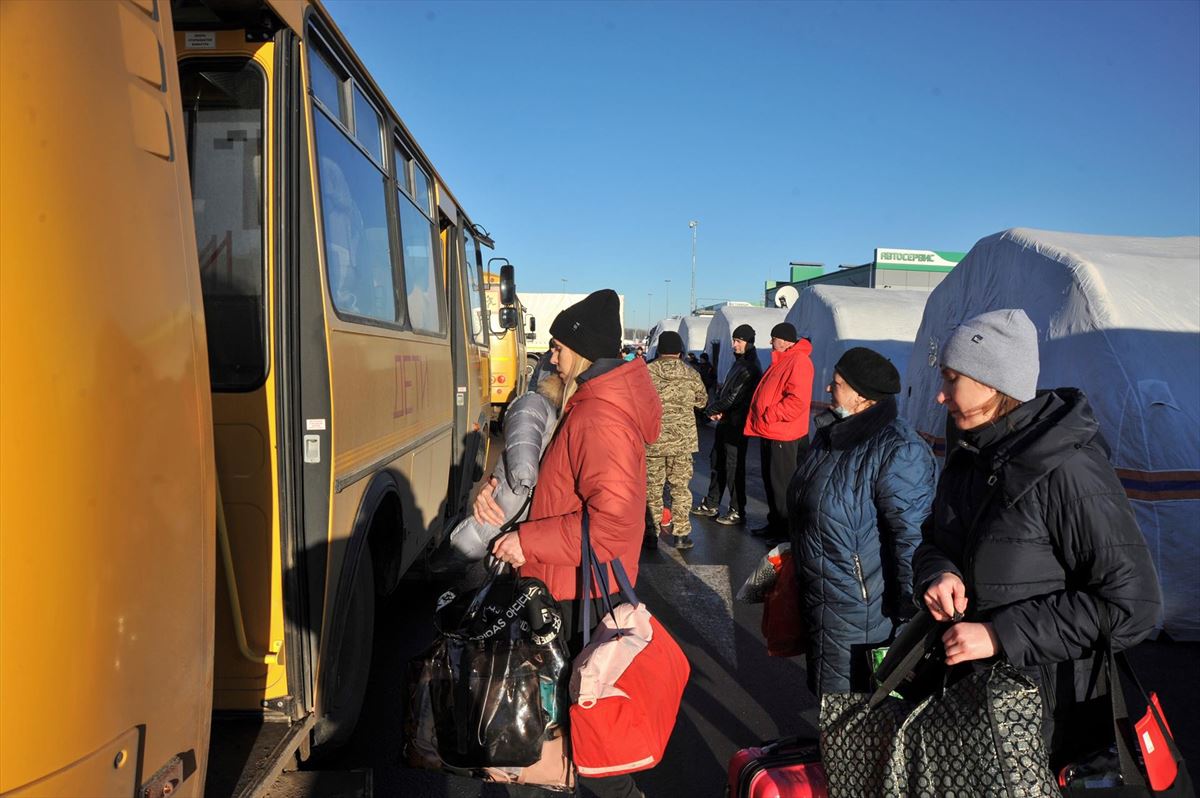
(786, 768)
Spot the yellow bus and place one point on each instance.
(244, 386)
(507, 350)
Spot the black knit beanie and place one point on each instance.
(744, 332)
(592, 326)
(869, 373)
(784, 331)
(670, 343)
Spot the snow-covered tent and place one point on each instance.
(694, 331)
(728, 319)
(838, 317)
(1118, 318)
(669, 323)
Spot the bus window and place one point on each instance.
(223, 113)
(421, 190)
(354, 210)
(421, 274)
(471, 267)
(403, 170)
(326, 85)
(368, 128)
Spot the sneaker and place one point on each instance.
(731, 518)
(682, 542)
(704, 511)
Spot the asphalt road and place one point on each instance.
(737, 695)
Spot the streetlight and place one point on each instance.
(667, 303)
(564, 282)
(693, 224)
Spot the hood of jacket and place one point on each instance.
(1035, 439)
(627, 387)
(803, 346)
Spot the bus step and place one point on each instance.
(322, 784)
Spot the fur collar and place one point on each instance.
(846, 433)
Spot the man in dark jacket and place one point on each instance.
(729, 410)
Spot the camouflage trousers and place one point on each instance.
(675, 471)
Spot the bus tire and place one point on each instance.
(349, 665)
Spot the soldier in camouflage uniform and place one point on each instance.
(669, 459)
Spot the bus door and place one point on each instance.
(471, 379)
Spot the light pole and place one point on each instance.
(667, 302)
(693, 224)
(564, 282)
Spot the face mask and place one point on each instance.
(841, 412)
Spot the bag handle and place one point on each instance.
(1117, 663)
(591, 566)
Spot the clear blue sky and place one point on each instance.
(585, 135)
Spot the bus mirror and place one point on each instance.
(531, 323)
(508, 287)
(508, 318)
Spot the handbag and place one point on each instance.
(497, 673)
(627, 682)
(1159, 768)
(783, 623)
(978, 736)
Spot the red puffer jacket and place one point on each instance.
(596, 459)
(779, 409)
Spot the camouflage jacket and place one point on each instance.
(680, 389)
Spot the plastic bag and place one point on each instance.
(498, 673)
(759, 583)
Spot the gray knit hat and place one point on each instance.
(998, 348)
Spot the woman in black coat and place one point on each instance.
(855, 506)
(1032, 536)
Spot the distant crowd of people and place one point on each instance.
(1026, 540)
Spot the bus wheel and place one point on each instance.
(345, 682)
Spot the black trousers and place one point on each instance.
(572, 630)
(728, 468)
(778, 460)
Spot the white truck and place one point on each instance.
(540, 310)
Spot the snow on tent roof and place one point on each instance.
(726, 320)
(669, 323)
(837, 317)
(694, 331)
(1118, 318)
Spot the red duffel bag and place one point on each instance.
(626, 684)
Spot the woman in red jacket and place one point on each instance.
(596, 461)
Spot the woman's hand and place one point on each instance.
(967, 641)
(507, 548)
(486, 509)
(946, 597)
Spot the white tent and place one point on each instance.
(694, 331)
(670, 323)
(1118, 318)
(837, 317)
(728, 319)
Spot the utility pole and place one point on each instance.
(693, 224)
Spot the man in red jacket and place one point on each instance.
(779, 416)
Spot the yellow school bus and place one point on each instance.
(507, 351)
(244, 386)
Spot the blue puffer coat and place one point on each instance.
(856, 504)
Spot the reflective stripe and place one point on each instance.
(586, 771)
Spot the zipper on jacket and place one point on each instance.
(858, 573)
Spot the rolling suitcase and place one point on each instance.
(785, 768)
